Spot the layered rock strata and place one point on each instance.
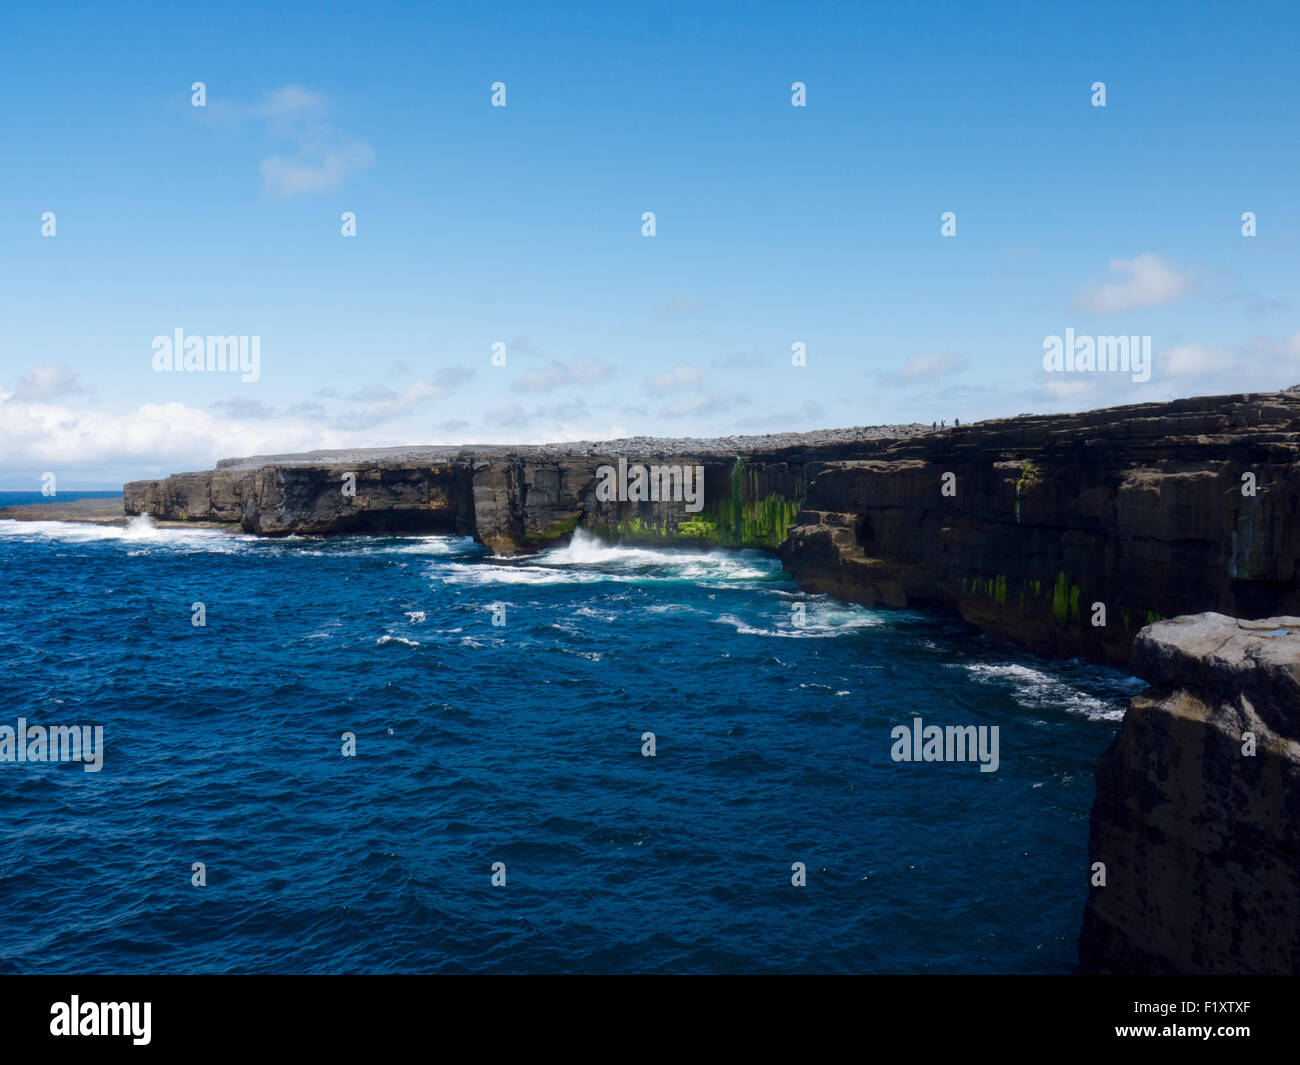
(1065, 533)
(1196, 823)
(1069, 533)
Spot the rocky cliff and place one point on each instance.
(1065, 533)
(1196, 823)
(1069, 533)
(516, 499)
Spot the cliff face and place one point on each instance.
(516, 499)
(1068, 534)
(1197, 815)
(1065, 533)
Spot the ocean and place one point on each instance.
(23, 498)
(519, 743)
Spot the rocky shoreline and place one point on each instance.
(1072, 535)
(1063, 533)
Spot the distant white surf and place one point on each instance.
(1035, 690)
(587, 560)
(139, 529)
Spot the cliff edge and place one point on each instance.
(1195, 834)
(1065, 533)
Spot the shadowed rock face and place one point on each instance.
(1200, 839)
(515, 499)
(1137, 512)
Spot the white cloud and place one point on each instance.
(289, 101)
(48, 383)
(1192, 359)
(155, 439)
(559, 374)
(315, 172)
(383, 404)
(1262, 364)
(787, 420)
(921, 368)
(677, 379)
(315, 156)
(715, 402)
(1133, 284)
(679, 304)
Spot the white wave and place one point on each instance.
(586, 550)
(587, 560)
(436, 545)
(819, 625)
(486, 573)
(1035, 690)
(386, 639)
(416, 616)
(139, 529)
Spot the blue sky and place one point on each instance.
(522, 225)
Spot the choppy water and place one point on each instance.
(519, 744)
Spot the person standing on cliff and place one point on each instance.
(956, 421)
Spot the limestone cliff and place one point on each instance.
(1066, 533)
(1069, 533)
(1197, 814)
(514, 499)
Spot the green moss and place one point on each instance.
(698, 527)
(1000, 590)
(743, 518)
(553, 532)
(740, 518)
(1027, 477)
(1061, 600)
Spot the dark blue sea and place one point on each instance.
(21, 498)
(520, 744)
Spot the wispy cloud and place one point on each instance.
(1188, 369)
(1134, 284)
(677, 379)
(787, 420)
(313, 156)
(559, 374)
(42, 383)
(241, 408)
(383, 404)
(698, 405)
(920, 369)
(315, 172)
(680, 304)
